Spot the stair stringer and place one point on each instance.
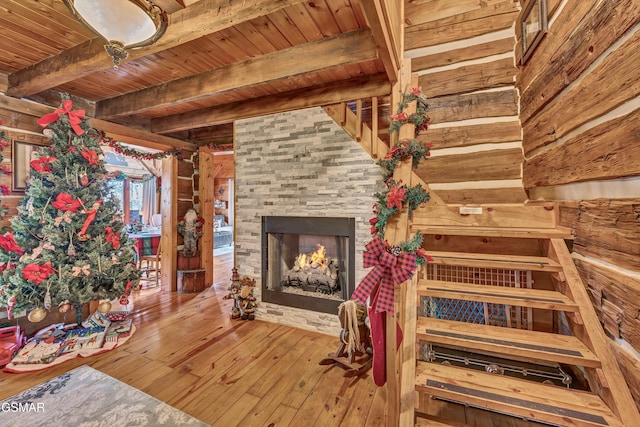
(608, 382)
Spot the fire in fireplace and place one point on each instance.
(308, 262)
(315, 272)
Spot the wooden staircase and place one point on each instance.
(549, 321)
(512, 260)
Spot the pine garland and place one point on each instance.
(404, 149)
(419, 118)
(120, 148)
(398, 195)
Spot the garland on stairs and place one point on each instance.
(393, 263)
(397, 195)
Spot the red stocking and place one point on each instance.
(378, 326)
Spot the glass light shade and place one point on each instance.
(131, 23)
(124, 24)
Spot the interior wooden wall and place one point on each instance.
(580, 115)
(463, 51)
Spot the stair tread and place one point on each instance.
(514, 396)
(521, 297)
(432, 421)
(509, 342)
(514, 232)
(515, 262)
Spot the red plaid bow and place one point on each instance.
(388, 269)
(75, 117)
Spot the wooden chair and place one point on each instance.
(152, 263)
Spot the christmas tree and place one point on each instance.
(68, 244)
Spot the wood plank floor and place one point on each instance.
(188, 353)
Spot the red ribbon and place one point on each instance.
(387, 269)
(75, 117)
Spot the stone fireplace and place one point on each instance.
(308, 262)
(300, 164)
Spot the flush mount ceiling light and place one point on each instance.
(124, 24)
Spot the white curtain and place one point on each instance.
(148, 199)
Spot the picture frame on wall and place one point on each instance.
(22, 153)
(534, 25)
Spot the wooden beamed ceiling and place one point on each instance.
(219, 61)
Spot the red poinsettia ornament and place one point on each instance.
(8, 243)
(42, 164)
(66, 202)
(396, 196)
(37, 273)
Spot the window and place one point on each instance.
(117, 187)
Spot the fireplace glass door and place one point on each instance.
(308, 262)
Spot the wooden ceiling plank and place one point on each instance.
(323, 16)
(119, 132)
(269, 31)
(348, 48)
(201, 18)
(344, 14)
(303, 20)
(326, 94)
(288, 28)
(53, 16)
(256, 37)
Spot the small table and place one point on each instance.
(146, 244)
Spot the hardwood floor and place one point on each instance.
(188, 353)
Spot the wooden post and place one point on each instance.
(206, 194)
(126, 201)
(401, 361)
(169, 233)
(374, 127)
(359, 120)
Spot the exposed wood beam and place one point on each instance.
(349, 48)
(185, 25)
(51, 98)
(385, 19)
(119, 132)
(21, 121)
(140, 137)
(342, 91)
(170, 6)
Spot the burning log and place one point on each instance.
(314, 272)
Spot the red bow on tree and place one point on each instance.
(75, 117)
(388, 268)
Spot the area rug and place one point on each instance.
(89, 398)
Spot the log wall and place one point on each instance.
(463, 51)
(580, 114)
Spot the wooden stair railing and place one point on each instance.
(352, 123)
(368, 138)
(470, 249)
